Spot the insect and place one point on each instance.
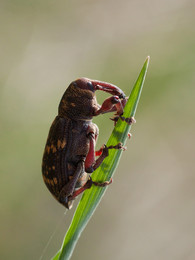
(69, 155)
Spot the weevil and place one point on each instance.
(69, 155)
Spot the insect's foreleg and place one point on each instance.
(112, 104)
(128, 120)
(115, 104)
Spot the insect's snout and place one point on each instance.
(93, 85)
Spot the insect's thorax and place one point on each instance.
(78, 105)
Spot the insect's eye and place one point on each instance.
(75, 84)
(90, 86)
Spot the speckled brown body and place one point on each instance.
(69, 154)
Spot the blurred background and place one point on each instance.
(149, 210)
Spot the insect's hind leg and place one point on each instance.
(102, 184)
(69, 188)
(88, 185)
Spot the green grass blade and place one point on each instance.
(92, 197)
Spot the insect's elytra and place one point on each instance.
(69, 155)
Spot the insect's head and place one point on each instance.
(79, 101)
(93, 85)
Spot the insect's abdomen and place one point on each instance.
(54, 165)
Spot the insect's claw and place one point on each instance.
(103, 184)
(128, 120)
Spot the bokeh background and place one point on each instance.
(149, 210)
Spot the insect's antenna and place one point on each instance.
(52, 235)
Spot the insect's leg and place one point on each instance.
(128, 120)
(118, 146)
(103, 155)
(115, 104)
(102, 184)
(69, 188)
(112, 104)
(88, 185)
(99, 152)
(90, 163)
(92, 135)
